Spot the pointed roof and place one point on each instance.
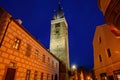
(59, 13)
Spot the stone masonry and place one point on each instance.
(16, 54)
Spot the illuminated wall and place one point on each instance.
(22, 57)
(111, 11)
(106, 46)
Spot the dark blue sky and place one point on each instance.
(82, 16)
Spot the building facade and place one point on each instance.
(22, 57)
(111, 11)
(59, 40)
(106, 45)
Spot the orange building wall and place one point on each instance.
(108, 40)
(111, 11)
(9, 55)
(103, 4)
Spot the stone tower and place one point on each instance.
(59, 37)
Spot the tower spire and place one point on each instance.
(59, 13)
(58, 1)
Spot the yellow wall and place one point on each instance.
(108, 40)
(9, 54)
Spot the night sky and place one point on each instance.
(82, 17)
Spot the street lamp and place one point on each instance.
(74, 67)
(74, 72)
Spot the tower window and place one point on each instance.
(57, 28)
(109, 52)
(57, 25)
(100, 58)
(57, 32)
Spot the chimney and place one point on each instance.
(19, 21)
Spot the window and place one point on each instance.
(109, 52)
(100, 58)
(57, 25)
(35, 75)
(16, 43)
(99, 39)
(55, 77)
(56, 65)
(110, 77)
(27, 75)
(28, 50)
(47, 76)
(36, 54)
(52, 77)
(12, 64)
(117, 74)
(103, 76)
(48, 60)
(57, 31)
(43, 58)
(57, 28)
(41, 76)
(52, 63)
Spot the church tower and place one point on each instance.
(59, 37)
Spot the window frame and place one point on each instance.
(109, 52)
(36, 55)
(17, 43)
(57, 25)
(35, 75)
(100, 58)
(28, 50)
(28, 74)
(42, 75)
(43, 58)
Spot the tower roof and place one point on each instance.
(59, 13)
